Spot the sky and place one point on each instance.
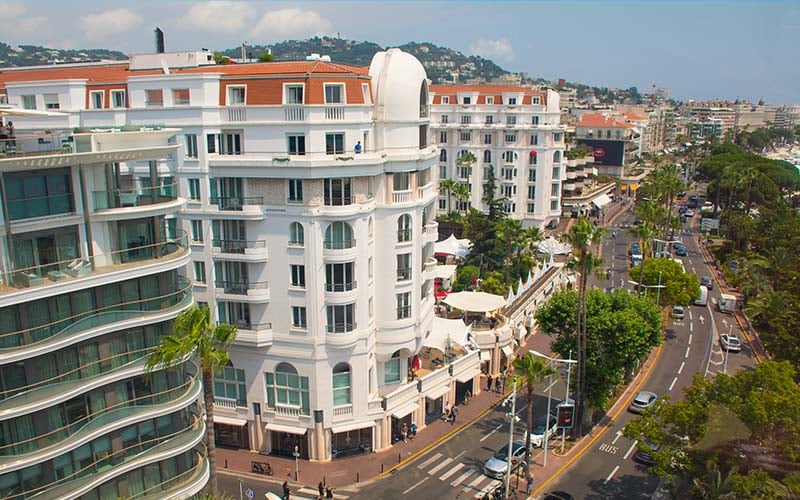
(698, 50)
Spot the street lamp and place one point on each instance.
(511, 435)
(727, 349)
(569, 362)
(657, 287)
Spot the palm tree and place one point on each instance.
(461, 192)
(508, 231)
(194, 335)
(771, 308)
(582, 236)
(448, 185)
(778, 261)
(644, 233)
(466, 159)
(715, 486)
(531, 371)
(527, 238)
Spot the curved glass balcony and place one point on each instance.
(134, 197)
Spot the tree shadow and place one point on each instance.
(629, 487)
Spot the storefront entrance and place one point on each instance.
(283, 444)
(433, 409)
(349, 443)
(231, 436)
(464, 391)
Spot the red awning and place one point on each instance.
(439, 295)
(533, 153)
(415, 363)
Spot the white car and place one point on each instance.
(642, 401)
(678, 312)
(730, 343)
(538, 432)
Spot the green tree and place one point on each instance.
(494, 284)
(714, 486)
(448, 185)
(680, 287)
(266, 57)
(461, 192)
(508, 230)
(193, 335)
(529, 371)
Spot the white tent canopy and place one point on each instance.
(443, 330)
(12, 111)
(453, 246)
(445, 271)
(552, 246)
(601, 201)
(475, 301)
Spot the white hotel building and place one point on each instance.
(515, 130)
(323, 256)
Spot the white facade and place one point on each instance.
(514, 130)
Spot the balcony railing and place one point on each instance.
(430, 265)
(331, 201)
(32, 144)
(238, 246)
(404, 312)
(403, 235)
(68, 270)
(134, 197)
(246, 325)
(334, 112)
(345, 327)
(340, 287)
(237, 114)
(339, 245)
(39, 206)
(401, 196)
(236, 202)
(240, 287)
(230, 403)
(403, 274)
(294, 113)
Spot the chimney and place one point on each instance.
(159, 41)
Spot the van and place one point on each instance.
(703, 299)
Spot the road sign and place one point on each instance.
(249, 493)
(565, 415)
(707, 224)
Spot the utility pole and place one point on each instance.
(511, 435)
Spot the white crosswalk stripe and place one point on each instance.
(441, 466)
(460, 479)
(314, 493)
(489, 487)
(474, 484)
(428, 461)
(452, 471)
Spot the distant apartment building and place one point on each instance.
(307, 192)
(787, 116)
(513, 130)
(614, 141)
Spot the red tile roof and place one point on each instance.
(634, 116)
(599, 120)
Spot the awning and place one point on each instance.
(404, 410)
(286, 428)
(468, 375)
(445, 271)
(437, 393)
(475, 301)
(238, 422)
(336, 429)
(507, 350)
(446, 332)
(601, 201)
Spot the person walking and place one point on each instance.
(404, 433)
(453, 415)
(286, 490)
(489, 381)
(328, 492)
(529, 484)
(321, 488)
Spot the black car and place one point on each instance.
(707, 282)
(645, 457)
(558, 495)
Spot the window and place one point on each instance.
(443, 139)
(512, 101)
(445, 119)
(466, 100)
(466, 120)
(294, 94)
(298, 275)
(511, 138)
(556, 173)
(466, 136)
(404, 228)
(532, 158)
(341, 384)
(489, 120)
(370, 229)
(531, 208)
(96, 99)
(371, 307)
(509, 157)
(334, 93)
(534, 140)
(29, 102)
(443, 171)
(199, 272)
(339, 277)
(339, 236)
(401, 181)
(511, 120)
(334, 144)
(366, 93)
(369, 267)
(557, 157)
(509, 190)
(443, 155)
(403, 267)
(296, 237)
(535, 120)
(117, 98)
(531, 192)
(442, 204)
(487, 138)
(230, 385)
(154, 98)
(341, 318)
(557, 137)
(555, 189)
(226, 143)
(489, 99)
(554, 204)
(445, 99)
(608, 134)
(236, 95)
(286, 388)
(194, 189)
(391, 369)
(297, 144)
(295, 191)
(487, 156)
(509, 207)
(337, 192)
(197, 231)
(299, 317)
(531, 175)
(509, 173)
(191, 145)
(404, 305)
(180, 97)
(463, 172)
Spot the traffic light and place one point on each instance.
(566, 413)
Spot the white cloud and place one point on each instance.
(291, 23)
(500, 49)
(219, 17)
(108, 23)
(17, 21)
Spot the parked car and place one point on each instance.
(682, 209)
(643, 453)
(678, 312)
(538, 431)
(707, 282)
(730, 343)
(558, 495)
(642, 401)
(680, 250)
(497, 466)
(689, 213)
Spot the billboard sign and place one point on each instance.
(605, 152)
(566, 412)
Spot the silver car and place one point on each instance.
(497, 466)
(730, 343)
(678, 312)
(642, 401)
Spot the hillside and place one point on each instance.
(439, 62)
(30, 55)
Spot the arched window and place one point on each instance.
(487, 156)
(532, 158)
(341, 384)
(338, 236)
(286, 388)
(296, 236)
(230, 385)
(391, 369)
(404, 228)
(423, 99)
(443, 155)
(557, 157)
(509, 157)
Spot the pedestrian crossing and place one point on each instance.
(469, 478)
(313, 494)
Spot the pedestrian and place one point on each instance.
(489, 381)
(358, 147)
(453, 414)
(529, 484)
(321, 488)
(412, 431)
(328, 492)
(404, 433)
(11, 140)
(286, 490)
(446, 411)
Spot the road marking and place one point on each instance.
(690, 338)
(489, 487)
(459, 455)
(630, 450)
(452, 471)
(673, 383)
(607, 448)
(687, 351)
(417, 484)
(691, 327)
(460, 479)
(442, 465)
(690, 314)
(484, 438)
(617, 437)
(702, 319)
(428, 461)
(611, 475)
(680, 369)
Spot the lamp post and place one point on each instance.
(569, 362)
(727, 349)
(659, 287)
(511, 435)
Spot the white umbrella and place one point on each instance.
(475, 301)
